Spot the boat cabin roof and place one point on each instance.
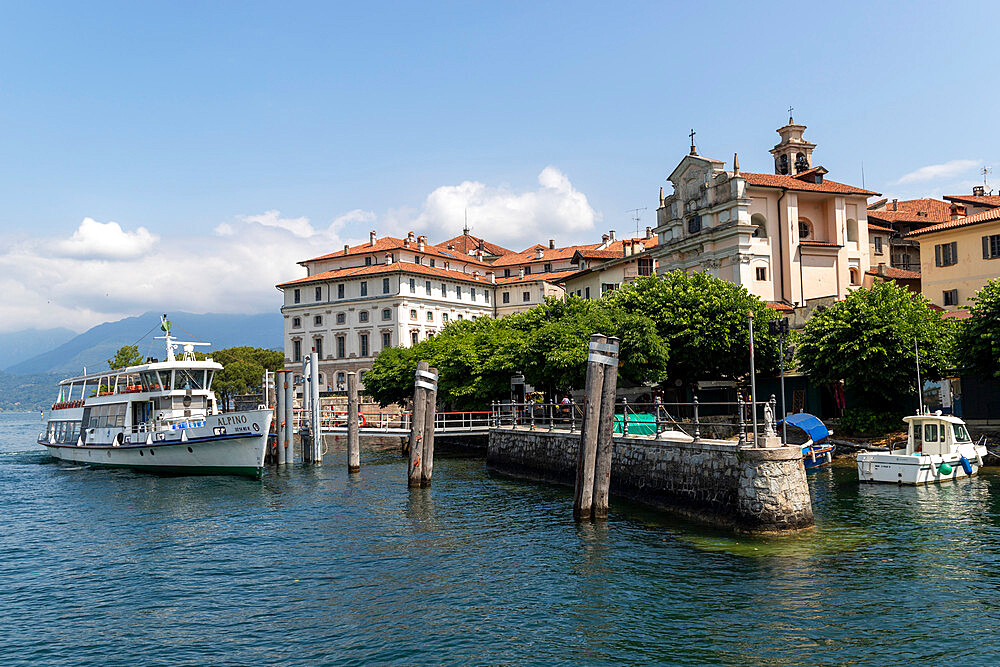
(944, 418)
(156, 366)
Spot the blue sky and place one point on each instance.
(172, 119)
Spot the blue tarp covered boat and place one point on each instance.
(815, 452)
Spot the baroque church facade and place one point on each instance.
(793, 238)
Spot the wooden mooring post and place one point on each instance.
(420, 388)
(430, 414)
(583, 497)
(353, 439)
(279, 417)
(606, 429)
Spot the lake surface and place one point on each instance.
(310, 566)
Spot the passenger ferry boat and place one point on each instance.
(158, 416)
(938, 448)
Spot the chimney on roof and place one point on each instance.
(346, 248)
(895, 204)
(881, 269)
(388, 258)
(611, 235)
(475, 274)
(492, 276)
(552, 244)
(371, 237)
(479, 255)
(520, 272)
(736, 164)
(409, 237)
(604, 239)
(626, 248)
(661, 196)
(538, 253)
(421, 243)
(451, 246)
(649, 233)
(482, 245)
(978, 190)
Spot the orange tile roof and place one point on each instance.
(551, 276)
(395, 267)
(925, 211)
(614, 250)
(977, 200)
(778, 305)
(793, 183)
(985, 216)
(879, 228)
(896, 274)
(387, 243)
(466, 243)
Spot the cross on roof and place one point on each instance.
(693, 151)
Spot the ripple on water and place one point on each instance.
(309, 566)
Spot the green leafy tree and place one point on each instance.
(977, 344)
(127, 355)
(867, 340)
(702, 322)
(242, 369)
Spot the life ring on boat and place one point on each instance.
(361, 420)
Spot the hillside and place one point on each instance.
(95, 346)
(27, 392)
(17, 346)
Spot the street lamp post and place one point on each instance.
(753, 380)
(779, 328)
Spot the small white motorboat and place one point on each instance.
(938, 448)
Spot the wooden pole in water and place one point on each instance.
(417, 426)
(279, 417)
(289, 443)
(353, 439)
(606, 428)
(430, 412)
(316, 405)
(584, 494)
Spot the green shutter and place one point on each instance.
(937, 255)
(986, 247)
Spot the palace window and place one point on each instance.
(341, 347)
(950, 297)
(318, 347)
(548, 268)
(486, 296)
(458, 291)
(586, 293)
(297, 296)
(386, 339)
(363, 316)
(414, 337)
(991, 246)
(444, 318)
(430, 316)
(363, 340)
(364, 288)
(805, 229)
(694, 224)
(368, 261)
(385, 286)
(413, 313)
(645, 266)
(319, 293)
(296, 322)
(296, 350)
(527, 270)
(341, 318)
(761, 273)
(432, 261)
(444, 290)
(386, 314)
(525, 296)
(340, 291)
(427, 287)
(946, 254)
(416, 259)
(413, 286)
(472, 293)
(318, 321)
(506, 273)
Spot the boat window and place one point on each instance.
(164, 379)
(149, 380)
(961, 435)
(930, 432)
(210, 375)
(185, 378)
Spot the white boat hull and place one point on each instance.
(232, 444)
(924, 469)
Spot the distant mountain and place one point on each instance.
(95, 346)
(27, 392)
(17, 346)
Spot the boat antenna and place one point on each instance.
(920, 386)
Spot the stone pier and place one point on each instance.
(717, 482)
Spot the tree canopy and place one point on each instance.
(867, 340)
(127, 355)
(977, 344)
(677, 326)
(703, 321)
(242, 369)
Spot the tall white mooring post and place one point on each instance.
(316, 426)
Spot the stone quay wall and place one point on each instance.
(758, 490)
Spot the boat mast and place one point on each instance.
(920, 386)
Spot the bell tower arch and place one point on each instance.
(793, 154)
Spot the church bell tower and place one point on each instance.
(793, 154)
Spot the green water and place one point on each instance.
(309, 566)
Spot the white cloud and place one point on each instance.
(936, 172)
(108, 240)
(554, 210)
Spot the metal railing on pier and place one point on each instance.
(694, 420)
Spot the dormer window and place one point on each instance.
(368, 261)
